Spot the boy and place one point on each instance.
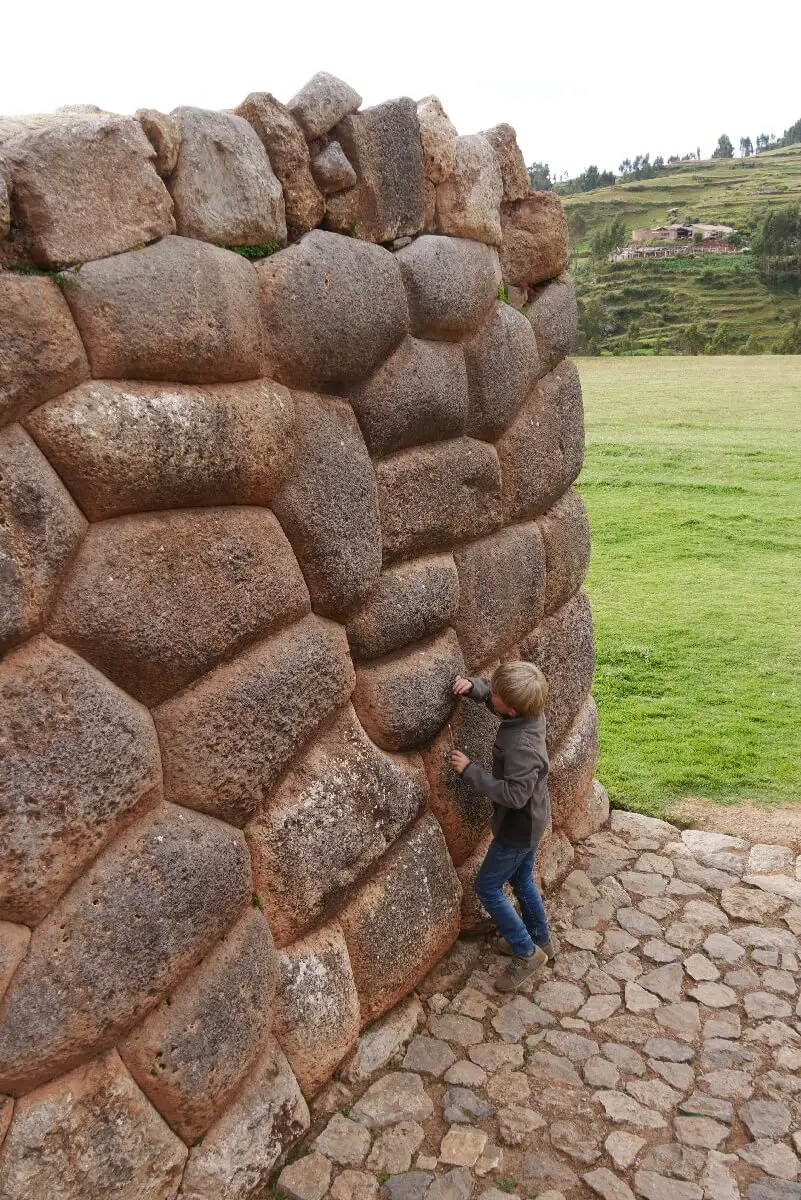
(518, 789)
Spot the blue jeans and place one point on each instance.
(513, 865)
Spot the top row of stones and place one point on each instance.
(80, 185)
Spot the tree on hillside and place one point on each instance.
(790, 341)
(722, 341)
(764, 142)
(689, 340)
(587, 181)
(777, 242)
(593, 326)
(791, 135)
(576, 226)
(540, 176)
(724, 148)
(607, 239)
(746, 147)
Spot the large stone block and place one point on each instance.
(418, 395)
(179, 309)
(577, 809)
(469, 200)
(474, 917)
(240, 1152)
(332, 308)
(329, 505)
(125, 933)
(451, 283)
(129, 447)
(289, 157)
(91, 1134)
(382, 145)
(461, 811)
(552, 312)
(316, 1006)
(191, 1053)
(40, 531)
(516, 183)
(565, 531)
(438, 138)
(332, 171)
(322, 103)
(80, 760)
(433, 496)
(501, 591)
(542, 450)
(502, 367)
(403, 700)
(226, 740)
(125, 602)
(41, 353)
(164, 135)
(535, 245)
(563, 648)
(14, 941)
(408, 602)
(403, 919)
(555, 855)
(335, 812)
(223, 186)
(86, 188)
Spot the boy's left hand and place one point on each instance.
(459, 761)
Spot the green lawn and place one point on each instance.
(693, 485)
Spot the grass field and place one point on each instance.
(693, 485)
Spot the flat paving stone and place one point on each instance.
(628, 1111)
(764, 858)
(661, 952)
(774, 1158)
(559, 997)
(606, 1184)
(599, 1007)
(398, 1096)
(456, 1184)
(344, 1141)
(654, 1093)
(394, 1148)
(701, 968)
(624, 1057)
(411, 1185)
(669, 1050)
(702, 1132)
(623, 1148)
(637, 923)
(683, 1019)
(574, 1141)
(306, 1179)
(700, 1105)
(658, 1187)
(714, 995)
(461, 1106)
(759, 1005)
(461, 1147)
(464, 1031)
(428, 1055)
(638, 1000)
(494, 1055)
(678, 1075)
(766, 1118)
(675, 1160)
(516, 1124)
(465, 1074)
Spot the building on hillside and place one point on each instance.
(681, 233)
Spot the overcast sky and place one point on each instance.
(580, 82)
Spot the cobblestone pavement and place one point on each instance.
(658, 1057)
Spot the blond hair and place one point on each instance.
(522, 686)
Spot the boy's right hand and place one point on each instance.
(461, 686)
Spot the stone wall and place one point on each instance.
(257, 511)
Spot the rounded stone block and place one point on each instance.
(40, 531)
(316, 1006)
(502, 368)
(164, 136)
(469, 200)
(125, 933)
(462, 812)
(130, 447)
(403, 700)
(191, 1053)
(555, 855)
(332, 309)
(179, 310)
(342, 805)
(92, 1133)
(535, 244)
(408, 602)
(332, 171)
(223, 186)
(125, 602)
(322, 102)
(41, 353)
(81, 759)
(565, 530)
(85, 188)
(433, 496)
(438, 138)
(451, 283)
(501, 591)
(240, 1152)
(516, 182)
(570, 778)
(552, 312)
(418, 395)
(328, 506)
(14, 941)
(563, 648)
(403, 920)
(542, 450)
(226, 740)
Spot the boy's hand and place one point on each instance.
(461, 686)
(459, 761)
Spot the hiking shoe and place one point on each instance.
(520, 970)
(501, 946)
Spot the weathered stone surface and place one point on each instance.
(466, 1074)
(763, 859)
(656, 1187)
(463, 815)
(505, 349)
(469, 199)
(395, 1097)
(344, 1141)
(86, 188)
(534, 245)
(418, 395)
(124, 604)
(393, 1149)
(428, 1055)
(766, 1118)
(81, 760)
(41, 354)
(607, 1185)
(289, 158)
(576, 807)
(433, 496)
(403, 700)
(546, 1170)
(240, 1152)
(127, 931)
(565, 533)
(332, 307)
(328, 506)
(219, 752)
(355, 1185)
(307, 1178)
(14, 940)
(407, 603)
(190, 1054)
(623, 1148)
(178, 310)
(164, 135)
(461, 1147)
(774, 1158)
(777, 885)
(514, 176)
(700, 1131)
(451, 284)
(554, 856)
(559, 997)
(619, 1107)
(126, 448)
(5, 208)
(677, 1161)
(321, 103)
(381, 1041)
(92, 1129)
(552, 311)
(542, 450)
(438, 139)
(562, 647)
(403, 919)
(331, 170)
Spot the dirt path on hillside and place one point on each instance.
(768, 825)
